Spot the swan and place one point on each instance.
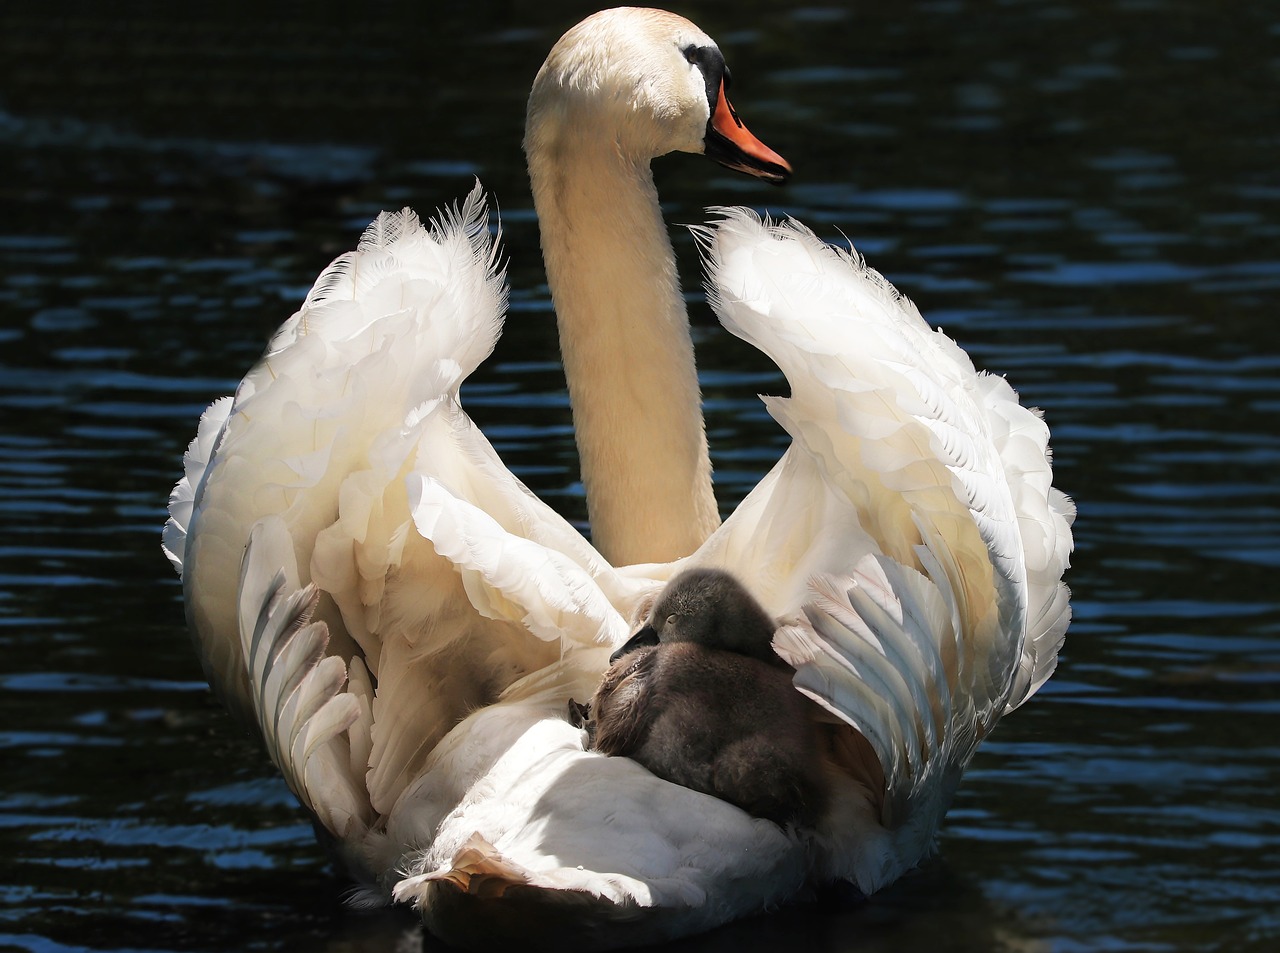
(699, 698)
(404, 623)
(709, 607)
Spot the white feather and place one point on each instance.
(195, 461)
(302, 712)
(405, 623)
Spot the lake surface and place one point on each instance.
(1084, 194)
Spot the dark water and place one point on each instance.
(1085, 194)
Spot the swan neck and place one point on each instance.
(627, 352)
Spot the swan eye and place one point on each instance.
(709, 61)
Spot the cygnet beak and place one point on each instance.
(648, 635)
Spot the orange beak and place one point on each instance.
(731, 144)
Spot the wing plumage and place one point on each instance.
(943, 606)
(319, 435)
(407, 622)
(902, 423)
(194, 463)
(314, 725)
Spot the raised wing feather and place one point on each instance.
(399, 580)
(406, 317)
(884, 401)
(878, 650)
(941, 605)
(195, 461)
(321, 434)
(312, 727)
(904, 427)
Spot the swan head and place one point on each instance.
(641, 83)
(708, 607)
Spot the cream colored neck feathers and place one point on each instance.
(624, 334)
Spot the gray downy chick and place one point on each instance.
(699, 698)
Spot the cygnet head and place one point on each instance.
(711, 608)
(641, 83)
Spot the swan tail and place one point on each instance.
(481, 898)
(477, 869)
(314, 720)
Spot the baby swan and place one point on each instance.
(699, 698)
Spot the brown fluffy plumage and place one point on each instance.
(710, 706)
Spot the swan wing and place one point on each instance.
(903, 429)
(910, 535)
(351, 397)
(195, 462)
(455, 581)
(397, 576)
(399, 321)
(314, 720)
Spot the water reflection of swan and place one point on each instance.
(405, 622)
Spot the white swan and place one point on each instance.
(405, 622)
